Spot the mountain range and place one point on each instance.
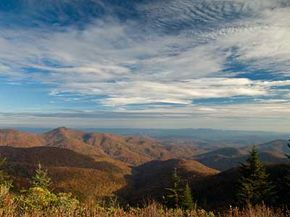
(97, 165)
(132, 150)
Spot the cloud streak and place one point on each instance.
(163, 59)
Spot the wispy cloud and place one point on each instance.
(162, 60)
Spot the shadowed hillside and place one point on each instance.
(149, 180)
(210, 188)
(220, 190)
(54, 157)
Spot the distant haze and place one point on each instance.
(206, 136)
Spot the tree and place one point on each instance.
(173, 197)
(4, 177)
(41, 178)
(255, 187)
(289, 147)
(187, 202)
(287, 177)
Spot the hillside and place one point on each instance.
(212, 189)
(91, 179)
(54, 157)
(10, 137)
(70, 171)
(218, 191)
(131, 150)
(275, 147)
(148, 181)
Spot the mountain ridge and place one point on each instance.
(130, 150)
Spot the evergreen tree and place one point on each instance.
(187, 202)
(287, 177)
(4, 177)
(41, 178)
(289, 147)
(173, 197)
(255, 187)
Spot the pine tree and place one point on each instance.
(187, 202)
(255, 187)
(289, 147)
(4, 177)
(41, 178)
(287, 177)
(173, 197)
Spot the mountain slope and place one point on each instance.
(275, 147)
(212, 189)
(218, 191)
(54, 157)
(149, 180)
(10, 137)
(132, 150)
(70, 171)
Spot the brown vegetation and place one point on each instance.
(151, 210)
(130, 150)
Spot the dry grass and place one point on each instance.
(152, 210)
(259, 211)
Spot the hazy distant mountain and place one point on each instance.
(277, 147)
(226, 158)
(202, 137)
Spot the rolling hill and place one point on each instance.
(130, 150)
(226, 158)
(136, 150)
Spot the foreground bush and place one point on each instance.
(40, 199)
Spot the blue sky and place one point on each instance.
(149, 64)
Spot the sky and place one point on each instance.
(145, 64)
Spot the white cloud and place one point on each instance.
(262, 43)
(127, 67)
(181, 92)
